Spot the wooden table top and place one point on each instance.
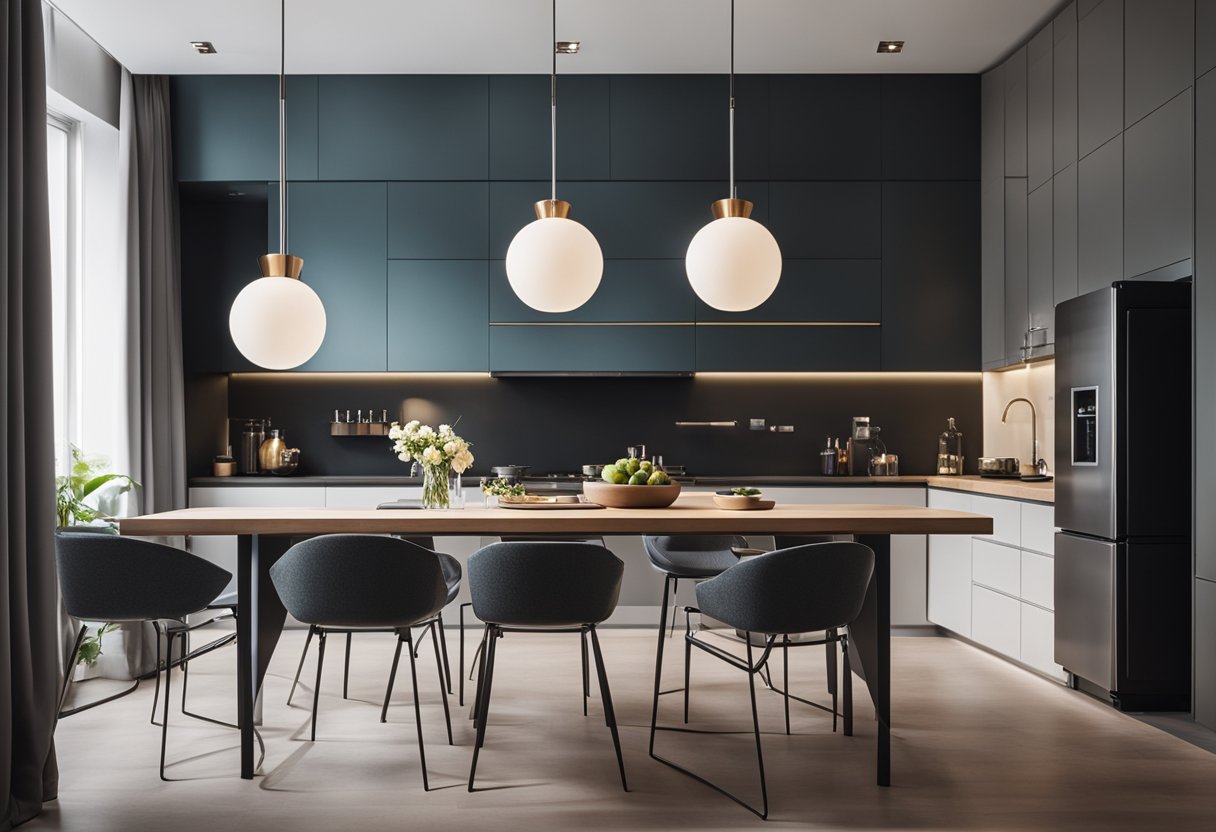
(691, 514)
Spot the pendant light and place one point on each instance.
(733, 263)
(554, 264)
(277, 321)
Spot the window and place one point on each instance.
(63, 180)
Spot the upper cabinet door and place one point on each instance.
(1015, 114)
(1039, 137)
(992, 218)
(437, 316)
(1157, 196)
(438, 220)
(339, 230)
(1205, 37)
(1040, 291)
(226, 127)
(1099, 76)
(833, 220)
(519, 127)
(1100, 217)
(929, 127)
(1017, 317)
(800, 106)
(1159, 54)
(1064, 88)
(1064, 234)
(420, 127)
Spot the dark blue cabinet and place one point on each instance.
(437, 311)
(339, 230)
(226, 127)
(519, 127)
(832, 220)
(825, 127)
(738, 348)
(816, 291)
(428, 127)
(930, 127)
(650, 291)
(438, 220)
(590, 348)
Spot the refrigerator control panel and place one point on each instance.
(1085, 426)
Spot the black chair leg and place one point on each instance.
(687, 675)
(300, 666)
(484, 683)
(426, 786)
(751, 685)
(586, 674)
(156, 690)
(658, 662)
(164, 726)
(67, 671)
(847, 685)
(830, 653)
(392, 676)
(316, 694)
(443, 650)
(443, 692)
(785, 679)
(675, 589)
(346, 669)
(462, 608)
(609, 712)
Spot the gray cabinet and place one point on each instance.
(1100, 216)
(651, 291)
(339, 230)
(1099, 76)
(1159, 53)
(1064, 88)
(788, 348)
(1015, 113)
(1205, 36)
(930, 258)
(1016, 251)
(575, 348)
(832, 220)
(1039, 137)
(810, 291)
(412, 127)
(929, 126)
(1158, 176)
(1040, 292)
(800, 107)
(438, 220)
(1064, 234)
(1205, 326)
(1205, 653)
(519, 127)
(992, 218)
(437, 312)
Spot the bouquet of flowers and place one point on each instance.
(439, 452)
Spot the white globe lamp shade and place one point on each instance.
(733, 263)
(277, 322)
(554, 264)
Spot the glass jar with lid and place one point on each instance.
(950, 451)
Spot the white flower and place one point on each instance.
(451, 448)
(432, 456)
(395, 432)
(462, 461)
(404, 457)
(425, 431)
(445, 430)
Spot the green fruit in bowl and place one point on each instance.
(633, 465)
(614, 475)
(658, 478)
(622, 463)
(638, 478)
(646, 465)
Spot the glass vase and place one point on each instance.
(436, 487)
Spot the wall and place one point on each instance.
(559, 424)
(79, 69)
(1032, 381)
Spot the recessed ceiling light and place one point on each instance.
(203, 47)
(890, 46)
(566, 47)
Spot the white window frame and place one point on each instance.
(72, 406)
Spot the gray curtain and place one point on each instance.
(29, 604)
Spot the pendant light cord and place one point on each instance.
(283, 127)
(553, 112)
(732, 100)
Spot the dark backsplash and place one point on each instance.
(558, 424)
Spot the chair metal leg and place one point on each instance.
(847, 685)
(785, 679)
(675, 589)
(164, 726)
(687, 675)
(300, 666)
(316, 694)
(586, 675)
(185, 666)
(443, 650)
(346, 669)
(392, 676)
(156, 690)
(426, 786)
(830, 651)
(484, 682)
(443, 692)
(67, 670)
(658, 662)
(606, 696)
(462, 608)
(751, 685)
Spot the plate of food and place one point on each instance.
(742, 499)
(537, 501)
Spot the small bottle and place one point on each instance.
(842, 459)
(950, 451)
(827, 460)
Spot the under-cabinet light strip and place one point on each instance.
(685, 323)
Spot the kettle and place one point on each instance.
(270, 452)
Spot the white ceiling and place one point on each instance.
(512, 36)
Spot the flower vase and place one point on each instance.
(435, 486)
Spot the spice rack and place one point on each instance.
(344, 424)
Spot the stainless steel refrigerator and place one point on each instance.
(1123, 493)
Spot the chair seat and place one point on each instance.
(225, 600)
(693, 556)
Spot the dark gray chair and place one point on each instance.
(818, 587)
(348, 583)
(117, 579)
(556, 587)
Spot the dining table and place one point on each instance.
(264, 535)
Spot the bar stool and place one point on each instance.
(804, 589)
(542, 587)
(352, 583)
(118, 579)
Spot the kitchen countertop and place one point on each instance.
(1037, 491)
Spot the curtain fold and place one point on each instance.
(29, 605)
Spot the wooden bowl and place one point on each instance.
(631, 496)
(743, 502)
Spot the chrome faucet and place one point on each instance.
(1040, 465)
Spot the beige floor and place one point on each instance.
(978, 745)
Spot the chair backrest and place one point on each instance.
(544, 584)
(105, 577)
(359, 580)
(789, 541)
(693, 555)
(796, 590)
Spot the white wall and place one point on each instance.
(1035, 382)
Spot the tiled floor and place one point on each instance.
(977, 745)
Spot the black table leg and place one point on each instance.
(259, 622)
(870, 646)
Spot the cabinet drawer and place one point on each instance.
(950, 582)
(1038, 628)
(283, 496)
(368, 497)
(1038, 528)
(1038, 580)
(1006, 518)
(996, 621)
(996, 567)
(953, 500)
